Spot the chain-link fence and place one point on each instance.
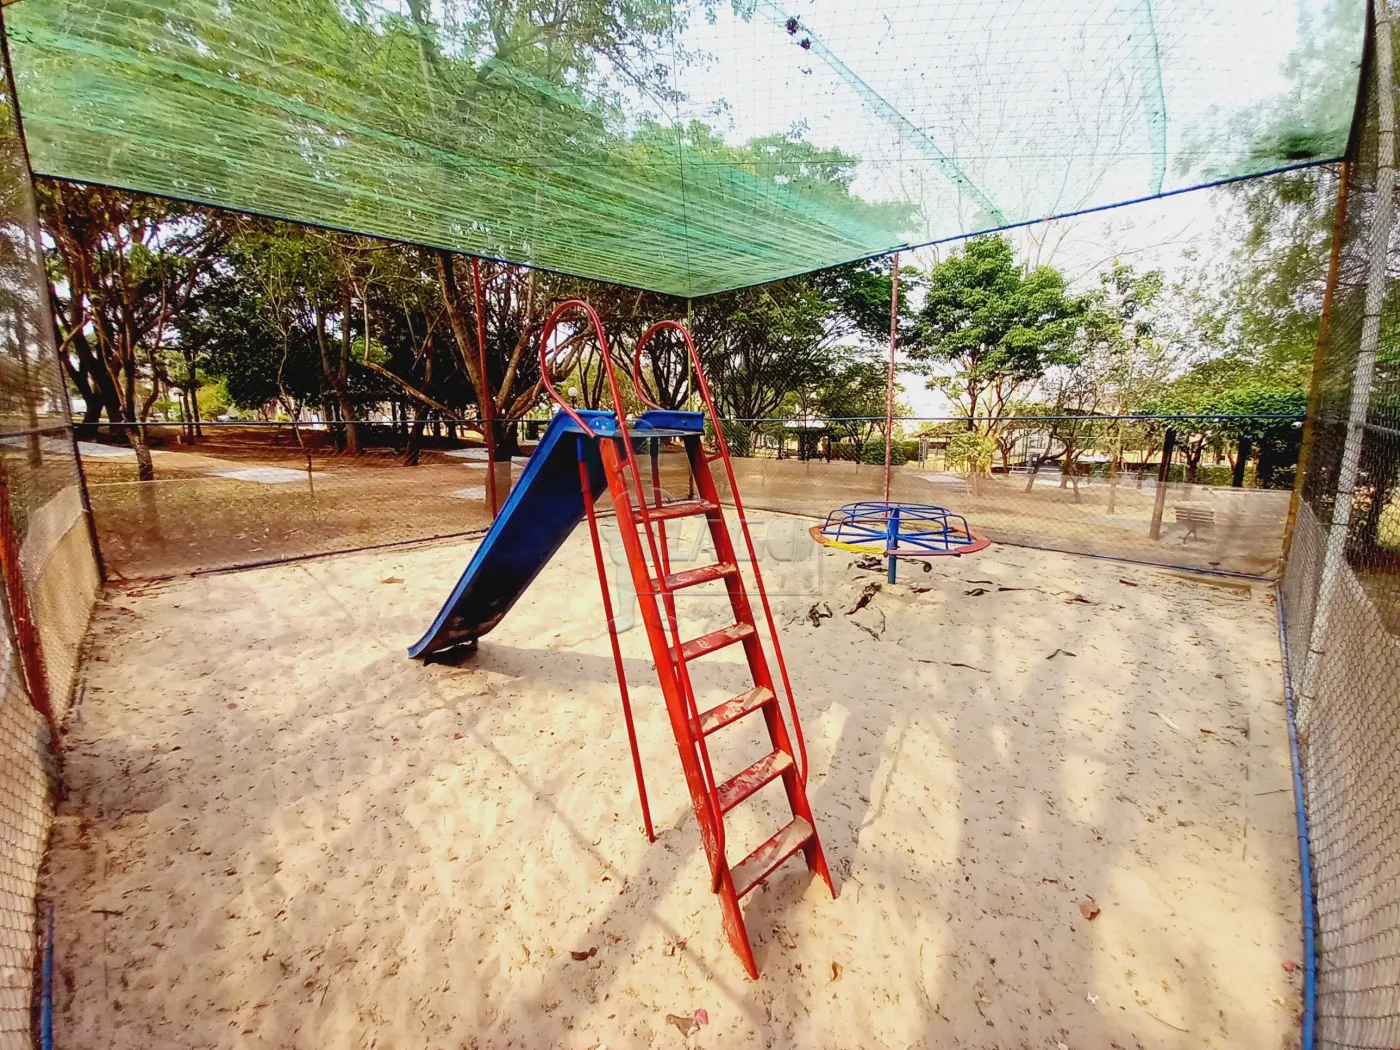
(1196, 491)
(50, 574)
(232, 493)
(1341, 598)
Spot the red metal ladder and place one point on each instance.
(641, 522)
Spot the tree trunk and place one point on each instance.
(1380, 469)
(1193, 460)
(1113, 467)
(507, 435)
(145, 469)
(337, 374)
(1241, 463)
(415, 436)
(1040, 461)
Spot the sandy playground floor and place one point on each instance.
(281, 832)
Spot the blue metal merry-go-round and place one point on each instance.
(898, 530)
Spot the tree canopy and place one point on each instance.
(997, 326)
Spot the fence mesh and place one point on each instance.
(36, 440)
(235, 494)
(1341, 593)
(56, 580)
(1200, 492)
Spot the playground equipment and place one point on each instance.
(581, 451)
(898, 530)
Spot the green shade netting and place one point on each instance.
(681, 147)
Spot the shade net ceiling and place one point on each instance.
(681, 147)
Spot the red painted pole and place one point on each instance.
(612, 637)
(889, 386)
(488, 408)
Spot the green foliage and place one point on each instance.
(971, 452)
(737, 436)
(998, 326)
(761, 345)
(1258, 308)
(873, 451)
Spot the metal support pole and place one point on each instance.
(612, 636)
(1320, 354)
(889, 384)
(891, 541)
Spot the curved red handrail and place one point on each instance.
(668, 600)
(738, 509)
(551, 323)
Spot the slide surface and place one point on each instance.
(543, 508)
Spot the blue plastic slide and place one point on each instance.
(543, 508)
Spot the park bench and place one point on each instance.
(1194, 517)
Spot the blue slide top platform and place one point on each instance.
(543, 508)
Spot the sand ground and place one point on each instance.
(281, 832)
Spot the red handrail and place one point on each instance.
(738, 509)
(668, 600)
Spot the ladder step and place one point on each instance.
(732, 710)
(762, 862)
(742, 785)
(695, 577)
(685, 508)
(708, 643)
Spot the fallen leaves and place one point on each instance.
(1060, 652)
(818, 612)
(871, 589)
(1089, 908)
(584, 956)
(688, 1024)
(955, 664)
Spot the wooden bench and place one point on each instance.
(1193, 516)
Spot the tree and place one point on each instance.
(1119, 360)
(1260, 302)
(122, 266)
(760, 345)
(997, 326)
(852, 394)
